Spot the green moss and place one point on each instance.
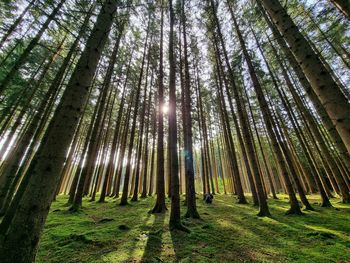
(226, 232)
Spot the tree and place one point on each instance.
(327, 90)
(22, 59)
(187, 120)
(343, 6)
(175, 221)
(160, 202)
(295, 209)
(19, 242)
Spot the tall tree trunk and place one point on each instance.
(187, 121)
(124, 198)
(20, 240)
(16, 23)
(146, 156)
(343, 6)
(22, 59)
(295, 209)
(160, 202)
(327, 90)
(174, 221)
(312, 95)
(151, 172)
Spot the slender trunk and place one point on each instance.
(160, 202)
(343, 6)
(20, 239)
(124, 198)
(146, 159)
(295, 209)
(327, 90)
(16, 23)
(151, 172)
(175, 220)
(22, 59)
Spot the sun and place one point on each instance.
(165, 108)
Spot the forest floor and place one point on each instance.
(226, 232)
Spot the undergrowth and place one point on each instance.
(226, 232)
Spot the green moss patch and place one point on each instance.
(226, 232)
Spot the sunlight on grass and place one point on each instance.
(226, 232)
(331, 231)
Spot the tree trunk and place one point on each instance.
(295, 209)
(145, 160)
(14, 25)
(174, 221)
(124, 198)
(343, 6)
(160, 202)
(329, 93)
(20, 240)
(151, 172)
(22, 59)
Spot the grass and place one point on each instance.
(226, 232)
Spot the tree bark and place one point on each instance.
(124, 198)
(20, 241)
(14, 25)
(295, 209)
(312, 95)
(343, 6)
(327, 90)
(22, 59)
(175, 220)
(160, 202)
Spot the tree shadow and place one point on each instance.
(153, 246)
(176, 237)
(136, 239)
(281, 233)
(205, 243)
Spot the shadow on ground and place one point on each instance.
(226, 232)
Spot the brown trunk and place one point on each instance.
(326, 89)
(22, 236)
(22, 59)
(343, 6)
(160, 202)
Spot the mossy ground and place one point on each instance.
(226, 232)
